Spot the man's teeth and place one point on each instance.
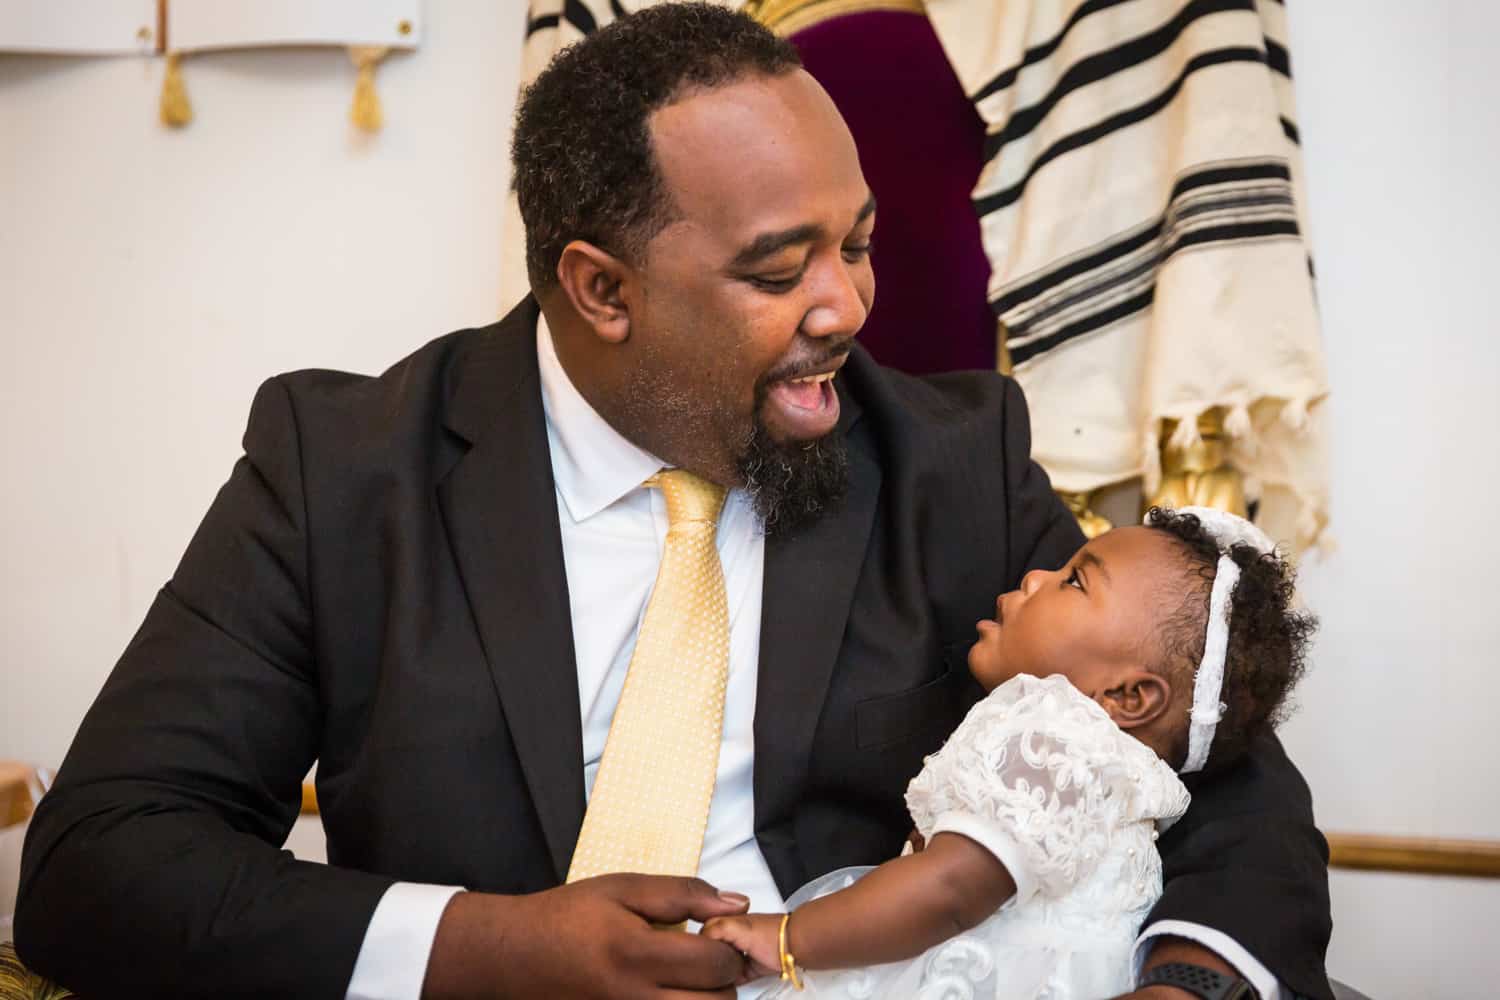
(826, 376)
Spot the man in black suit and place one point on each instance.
(387, 585)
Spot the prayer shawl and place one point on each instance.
(1139, 210)
(1139, 207)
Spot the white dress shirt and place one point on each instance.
(613, 533)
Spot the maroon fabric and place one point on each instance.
(919, 142)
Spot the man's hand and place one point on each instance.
(757, 936)
(591, 939)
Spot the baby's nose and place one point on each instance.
(1031, 581)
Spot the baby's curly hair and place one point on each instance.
(583, 163)
(1268, 636)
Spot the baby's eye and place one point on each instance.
(1074, 580)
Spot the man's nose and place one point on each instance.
(838, 308)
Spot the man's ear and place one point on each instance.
(1136, 698)
(592, 279)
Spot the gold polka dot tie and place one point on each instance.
(651, 796)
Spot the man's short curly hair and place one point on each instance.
(1268, 636)
(582, 159)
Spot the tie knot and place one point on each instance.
(689, 497)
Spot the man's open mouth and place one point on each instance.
(804, 407)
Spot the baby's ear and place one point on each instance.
(1137, 698)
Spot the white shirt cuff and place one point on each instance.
(1218, 942)
(392, 960)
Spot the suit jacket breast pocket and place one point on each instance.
(930, 711)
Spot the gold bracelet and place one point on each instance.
(788, 961)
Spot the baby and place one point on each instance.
(1157, 649)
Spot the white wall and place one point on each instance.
(150, 279)
(1396, 730)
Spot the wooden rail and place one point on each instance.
(1358, 851)
(1414, 855)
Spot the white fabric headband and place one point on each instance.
(1227, 530)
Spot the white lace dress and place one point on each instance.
(1040, 775)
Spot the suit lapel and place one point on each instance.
(500, 511)
(809, 585)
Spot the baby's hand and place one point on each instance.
(754, 935)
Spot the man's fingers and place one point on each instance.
(664, 899)
(688, 961)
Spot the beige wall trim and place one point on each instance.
(1414, 855)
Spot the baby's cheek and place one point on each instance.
(987, 662)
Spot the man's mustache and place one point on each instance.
(809, 365)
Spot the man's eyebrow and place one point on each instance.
(766, 244)
(1090, 559)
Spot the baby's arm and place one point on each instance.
(897, 911)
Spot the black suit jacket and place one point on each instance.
(380, 587)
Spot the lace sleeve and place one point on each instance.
(1033, 774)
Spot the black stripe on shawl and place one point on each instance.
(1107, 253)
(1290, 128)
(1230, 174)
(1090, 261)
(1258, 208)
(1108, 62)
(1102, 318)
(1136, 303)
(1041, 51)
(1114, 123)
(1278, 58)
(542, 23)
(574, 12)
(1096, 259)
(1261, 207)
(579, 16)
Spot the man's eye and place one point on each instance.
(775, 284)
(855, 254)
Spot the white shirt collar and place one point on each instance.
(593, 464)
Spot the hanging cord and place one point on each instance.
(366, 113)
(176, 109)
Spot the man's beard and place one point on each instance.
(794, 483)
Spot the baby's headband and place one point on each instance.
(1227, 530)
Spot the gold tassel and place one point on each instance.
(18, 981)
(176, 109)
(365, 113)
